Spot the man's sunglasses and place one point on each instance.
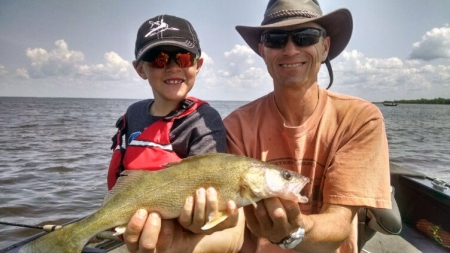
(160, 59)
(301, 37)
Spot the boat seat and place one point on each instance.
(372, 220)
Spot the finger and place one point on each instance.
(212, 204)
(185, 218)
(198, 219)
(150, 233)
(166, 236)
(251, 220)
(293, 212)
(134, 229)
(233, 213)
(263, 216)
(276, 211)
(231, 220)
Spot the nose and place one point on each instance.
(290, 48)
(171, 65)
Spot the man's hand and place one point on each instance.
(276, 218)
(273, 218)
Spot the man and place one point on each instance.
(338, 141)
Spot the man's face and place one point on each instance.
(293, 65)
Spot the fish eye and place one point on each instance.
(286, 175)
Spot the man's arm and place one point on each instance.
(276, 218)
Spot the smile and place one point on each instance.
(174, 81)
(292, 65)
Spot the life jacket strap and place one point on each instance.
(184, 105)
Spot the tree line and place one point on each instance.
(441, 101)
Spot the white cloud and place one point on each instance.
(114, 68)
(58, 62)
(376, 77)
(22, 73)
(245, 73)
(64, 62)
(383, 74)
(241, 76)
(241, 70)
(3, 70)
(435, 44)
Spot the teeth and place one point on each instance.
(174, 81)
(291, 65)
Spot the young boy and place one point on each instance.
(168, 128)
(171, 126)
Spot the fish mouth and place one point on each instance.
(297, 188)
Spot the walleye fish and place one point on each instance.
(242, 179)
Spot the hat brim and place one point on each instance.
(181, 44)
(338, 24)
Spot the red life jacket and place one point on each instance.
(150, 150)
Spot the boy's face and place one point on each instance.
(169, 81)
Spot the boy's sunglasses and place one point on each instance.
(160, 59)
(301, 37)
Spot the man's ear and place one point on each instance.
(261, 50)
(139, 67)
(326, 48)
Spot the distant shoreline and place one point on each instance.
(435, 101)
(442, 101)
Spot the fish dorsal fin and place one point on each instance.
(194, 158)
(126, 178)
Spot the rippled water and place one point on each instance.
(54, 154)
(419, 137)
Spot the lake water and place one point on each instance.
(54, 154)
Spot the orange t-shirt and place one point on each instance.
(342, 148)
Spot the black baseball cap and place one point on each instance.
(166, 30)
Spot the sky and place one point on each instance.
(58, 48)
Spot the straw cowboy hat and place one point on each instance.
(283, 13)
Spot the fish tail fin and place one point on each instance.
(62, 240)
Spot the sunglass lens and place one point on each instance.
(275, 40)
(160, 59)
(185, 60)
(304, 40)
(301, 38)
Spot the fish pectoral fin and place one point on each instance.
(303, 199)
(214, 219)
(119, 230)
(246, 193)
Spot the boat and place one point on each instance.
(423, 203)
(390, 103)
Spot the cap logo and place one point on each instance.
(159, 27)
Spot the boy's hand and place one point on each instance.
(149, 233)
(195, 215)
